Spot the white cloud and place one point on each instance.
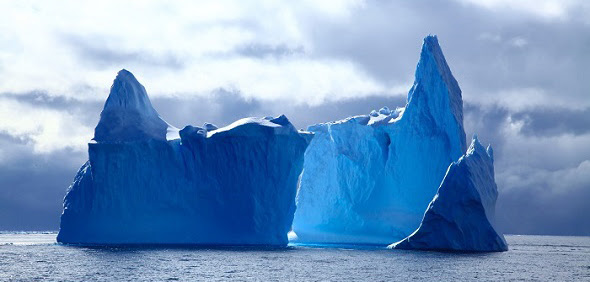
(63, 49)
(38, 50)
(522, 98)
(56, 47)
(519, 42)
(297, 80)
(547, 9)
(47, 130)
(486, 36)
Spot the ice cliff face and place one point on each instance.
(234, 185)
(368, 179)
(461, 215)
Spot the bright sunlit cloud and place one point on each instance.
(303, 53)
(189, 48)
(45, 129)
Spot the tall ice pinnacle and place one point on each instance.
(436, 90)
(368, 179)
(128, 114)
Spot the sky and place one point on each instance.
(522, 66)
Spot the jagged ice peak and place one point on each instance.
(128, 114)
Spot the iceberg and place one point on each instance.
(461, 215)
(147, 182)
(368, 179)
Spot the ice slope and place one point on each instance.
(234, 185)
(461, 215)
(368, 179)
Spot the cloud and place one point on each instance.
(519, 42)
(262, 51)
(554, 121)
(545, 202)
(32, 186)
(533, 122)
(44, 128)
(78, 55)
(541, 164)
(522, 67)
(299, 52)
(221, 108)
(554, 145)
(544, 9)
(224, 107)
(94, 50)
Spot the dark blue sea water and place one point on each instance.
(37, 257)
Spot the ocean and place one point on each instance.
(36, 256)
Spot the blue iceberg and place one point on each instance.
(368, 179)
(461, 215)
(147, 182)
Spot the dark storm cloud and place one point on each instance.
(44, 100)
(225, 107)
(87, 111)
(221, 108)
(487, 51)
(546, 202)
(304, 115)
(554, 121)
(536, 122)
(534, 196)
(32, 186)
(487, 122)
(96, 50)
(40, 99)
